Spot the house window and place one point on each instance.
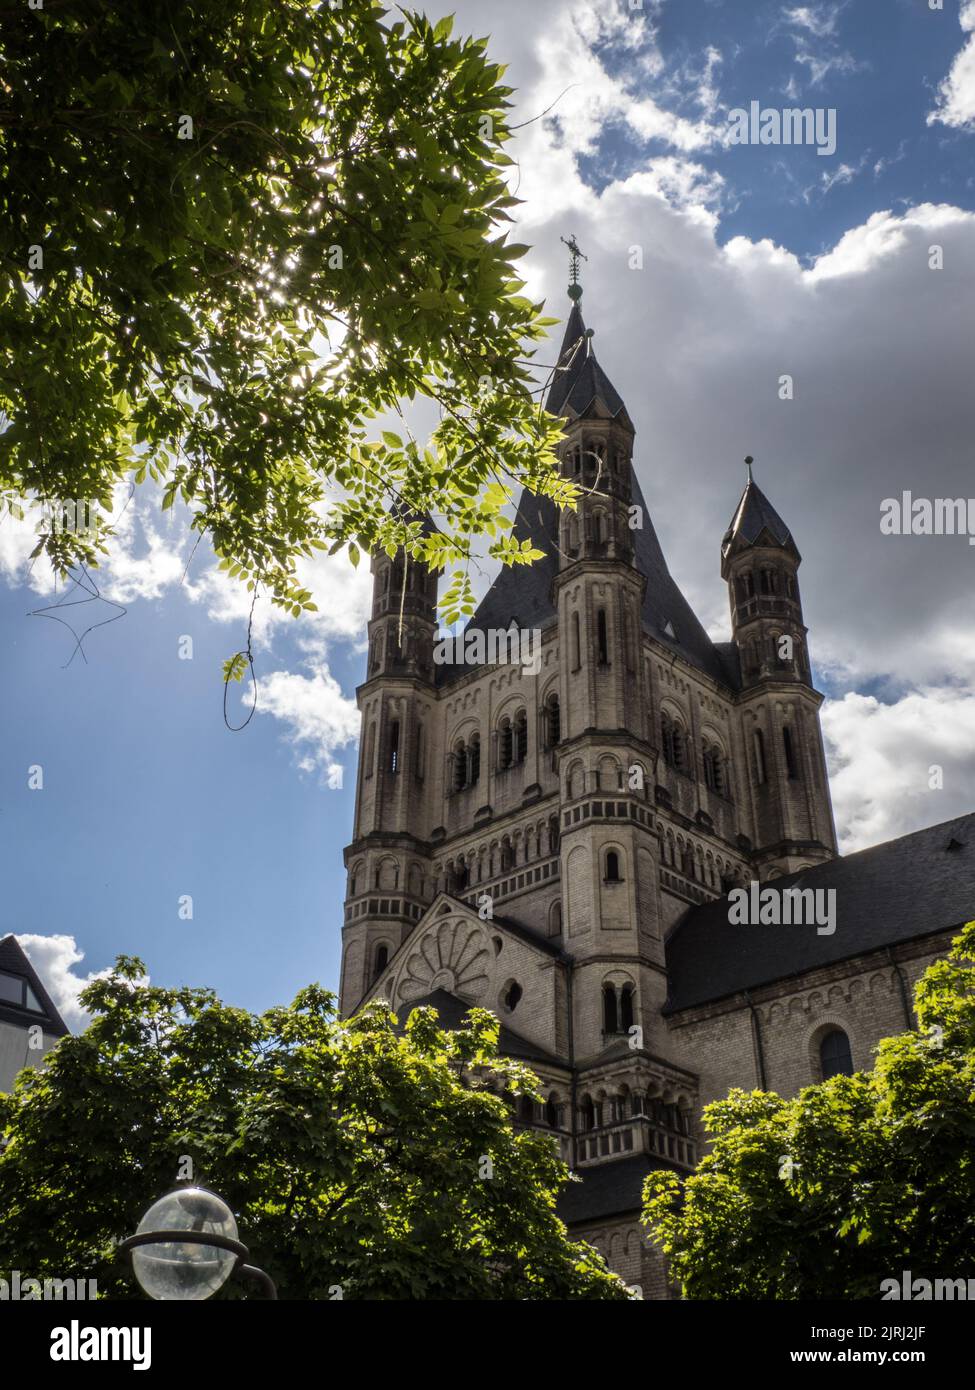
(835, 1058)
(15, 990)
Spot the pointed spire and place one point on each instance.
(756, 519)
(579, 382)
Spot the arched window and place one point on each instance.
(459, 769)
(770, 581)
(835, 1058)
(512, 996)
(791, 764)
(552, 1112)
(612, 866)
(673, 743)
(381, 961)
(667, 739)
(758, 739)
(526, 1110)
(371, 749)
(354, 882)
(555, 920)
(626, 1008)
(575, 642)
(553, 835)
(505, 744)
(473, 760)
(553, 721)
(521, 737)
(588, 1116)
(602, 640)
(597, 528)
(610, 1018)
(418, 754)
(713, 768)
(507, 859)
(394, 746)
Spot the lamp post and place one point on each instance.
(186, 1248)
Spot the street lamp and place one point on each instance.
(186, 1248)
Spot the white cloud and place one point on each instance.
(54, 958)
(956, 94)
(819, 20)
(884, 758)
(320, 721)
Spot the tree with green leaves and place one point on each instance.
(850, 1183)
(357, 1155)
(232, 233)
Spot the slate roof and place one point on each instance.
(452, 1012)
(607, 1189)
(579, 380)
(906, 888)
(13, 961)
(523, 595)
(753, 515)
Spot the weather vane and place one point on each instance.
(575, 289)
(748, 464)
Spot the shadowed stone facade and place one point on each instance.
(555, 844)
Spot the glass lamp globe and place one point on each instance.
(179, 1270)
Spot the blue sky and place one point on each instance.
(758, 260)
(878, 62)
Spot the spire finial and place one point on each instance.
(748, 464)
(575, 289)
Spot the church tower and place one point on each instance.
(531, 836)
(788, 791)
(609, 867)
(388, 867)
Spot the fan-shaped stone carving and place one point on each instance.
(454, 955)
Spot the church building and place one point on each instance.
(555, 839)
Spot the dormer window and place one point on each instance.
(15, 991)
